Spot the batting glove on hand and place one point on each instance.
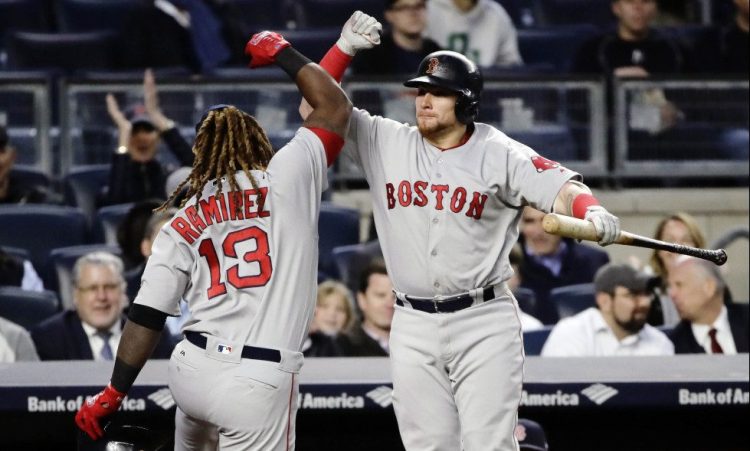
(105, 403)
(263, 47)
(606, 224)
(360, 32)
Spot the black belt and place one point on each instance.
(447, 304)
(248, 352)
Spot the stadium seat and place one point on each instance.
(17, 252)
(27, 308)
(40, 228)
(260, 15)
(61, 51)
(28, 176)
(533, 340)
(352, 259)
(27, 15)
(337, 226)
(106, 220)
(24, 139)
(91, 15)
(563, 12)
(334, 13)
(572, 299)
(59, 271)
(553, 141)
(526, 299)
(555, 45)
(521, 12)
(83, 185)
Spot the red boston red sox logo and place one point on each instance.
(432, 65)
(542, 164)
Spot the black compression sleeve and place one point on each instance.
(123, 376)
(147, 317)
(291, 61)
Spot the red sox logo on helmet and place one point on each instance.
(432, 66)
(542, 164)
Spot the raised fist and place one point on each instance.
(263, 47)
(360, 32)
(103, 404)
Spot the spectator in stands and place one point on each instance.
(92, 331)
(135, 173)
(734, 38)
(402, 47)
(617, 326)
(680, 228)
(709, 325)
(480, 29)
(17, 272)
(12, 191)
(375, 299)
(530, 436)
(550, 261)
(334, 314)
(528, 322)
(15, 343)
(132, 229)
(635, 50)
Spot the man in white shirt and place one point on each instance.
(618, 326)
(708, 324)
(15, 343)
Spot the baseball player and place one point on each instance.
(447, 198)
(242, 252)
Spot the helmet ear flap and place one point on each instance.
(467, 109)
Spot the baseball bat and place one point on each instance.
(580, 229)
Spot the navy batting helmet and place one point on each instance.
(454, 72)
(124, 437)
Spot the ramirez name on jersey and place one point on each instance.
(231, 206)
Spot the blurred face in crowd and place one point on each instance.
(634, 17)
(377, 302)
(99, 296)
(143, 145)
(693, 293)
(407, 17)
(436, 113)
(536, 239)
(148, 241)
(331, 314)
(674, 231)
(624, 309)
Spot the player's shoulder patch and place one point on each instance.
(542, 164)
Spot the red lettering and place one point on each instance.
(223, 205)
(262, 195)
(389, 195)
(458, 200)
(195, 220)
(439, 190)
(183, 228)
(249, 204)
(404, 193)
(210, 210)
(421, 197)
(477, 206)
(235, 205)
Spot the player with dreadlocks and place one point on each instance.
(242, 251)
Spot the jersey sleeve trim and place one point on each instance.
(332, 143)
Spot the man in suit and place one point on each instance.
(708, 324)
(375, 299)
(92, 331)
(550, 262)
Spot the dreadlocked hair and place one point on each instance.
(228, 140)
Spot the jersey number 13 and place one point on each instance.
(260, 255)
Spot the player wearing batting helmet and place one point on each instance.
(447, 198)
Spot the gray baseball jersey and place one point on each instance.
(246, 262)
(447, 220)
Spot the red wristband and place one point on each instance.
(581, 203)
(332, 143)
(335, 62)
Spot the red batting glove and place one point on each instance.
(105, 403)
(263, 47)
